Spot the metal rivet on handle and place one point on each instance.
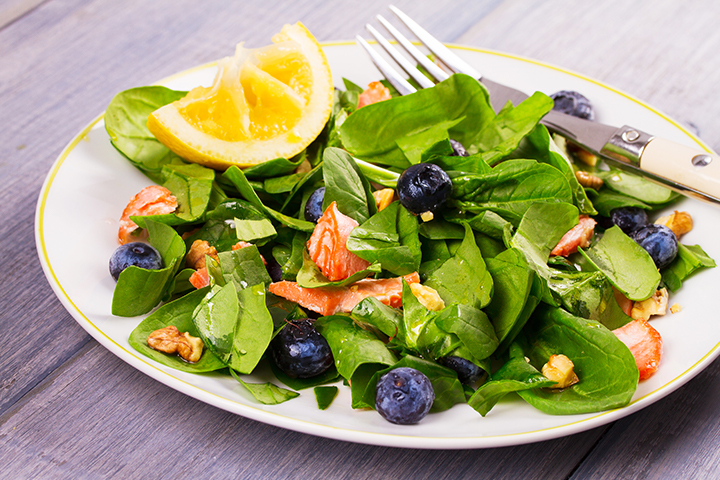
(630, 136)
(701, 160)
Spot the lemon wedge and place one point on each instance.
(264, 103)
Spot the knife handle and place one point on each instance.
(685, 166)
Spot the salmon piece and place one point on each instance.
(625, 303)
(578, 236)
(327, 245)
(645, 344)
(376, 92)
(329, 301)
(152, 200)
(200, 278)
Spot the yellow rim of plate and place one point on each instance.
(42, 251)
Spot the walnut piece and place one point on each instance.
(679, 222)
(559, 369)
(429, 297)
(589, 181)
(675, 308)
(195, 257)
(170, 340)
(383, 197)
(655, 305)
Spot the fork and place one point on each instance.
(686, 170)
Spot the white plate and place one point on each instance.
(90, 184)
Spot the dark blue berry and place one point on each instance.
(137, 253)
(313, 207)
(573, 103)
(629, 219)
(300, 351)
(458, 149)
(659, 241)
(424, 188)
(467, 372)
(274, 269)
(404, 396)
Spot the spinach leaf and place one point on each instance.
(448, 389)
(514, 376)
(274, 168)
(282, 184)
(433, 140)
(236, 176)
(605, 366)
(126, 123)
(588, 295)
(331, 375)
(219, 227)
(290, 257)
(463, 278)
(325, 396)
(253, 331)
(358, 353)
(502, 135)
(389, 237)
(216, 318)
(371, 311)
(471, 163)
(266, 393)
(310, 275)
(472, 327)
(371, 133)
(256, 231)
(486, 222)
(243, 267)
(440, 229)
(510, 189)
(625, 263)
(177, 313)
(513, 300)
(690, 258)
(346, 185)
(637, 187)
(540, 146)
(139, 290)
(606, 200)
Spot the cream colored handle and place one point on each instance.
(687, 166)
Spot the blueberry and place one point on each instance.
(458, 149)
(300, 351)
(573, 103)
(629, 219)
(659, 241)
(274, 269)
(423, 188)
(137, 253)
(467, 372)
(313, 207)
(404, 396)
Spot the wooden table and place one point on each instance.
(70, 409)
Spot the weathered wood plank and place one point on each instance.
(99, 416)
(11, 10)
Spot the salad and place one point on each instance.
(516, 270)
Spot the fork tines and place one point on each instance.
(448, 58)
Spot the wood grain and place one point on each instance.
(70, 409)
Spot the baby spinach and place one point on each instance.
(625, 263)
(390, 237)
(429, 142)
(253, 331)
(179, 314)
(325, 396)
(236, 176)
(329, 376)
(346, 185)
(266, 393)
(463, 278)
(690, 258)
(310, 275)
(370, 311)
(274, 168)
(257, 231)
(637, 187)
(605, 367)
(371, 133)
(440, 229)
(472, 327)
(216, 318)
(510, 189)
(514, 376)
(606, 200)
(126, 123)
(244, 267)
(139, 290)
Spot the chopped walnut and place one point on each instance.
(679, 222)
(195, 257)
(589, 181)
(429, 297)
(383, 197)
(170, 340)
(655, 305)
(675, 308)
(559, 369)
